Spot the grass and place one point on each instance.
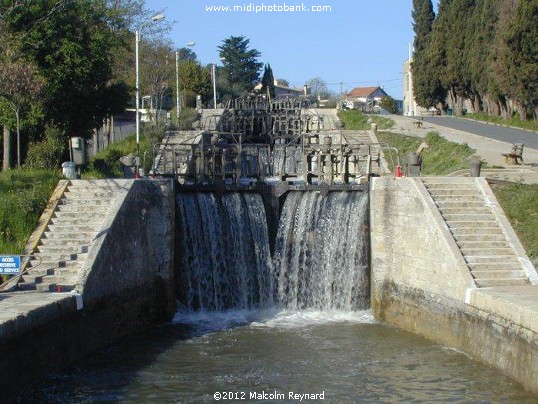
(442, 157)
(24, 194)
(356, 120)
(514, 121)
(520, 203)
(106, 163)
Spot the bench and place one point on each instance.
(515, 156)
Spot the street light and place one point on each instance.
(155, 18)
(177, 81)
(214, 79)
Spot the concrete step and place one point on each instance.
(46, 265)
(64, 237)
(67, 203)
(82, 220)
(55, 249)
(55, 260)
(56, 278)
(64, 228)
(454, 195)
(66, 285)
(467, 228)
(467, 210)
(486, 259)
(491, 274)
(90, 194)
(469, 217)
(484, 244)
(86, 213)
(83, 208)
(445, 185)
(467, 238)
(67, 241)
(485, 283)
(495, 266)
(486, 251)
(460, 225)
(451, 204)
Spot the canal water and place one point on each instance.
(343, 355)
(256, 327)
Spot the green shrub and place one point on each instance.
(440, 158)
(187, 117)
(356, 120)
(514, 121)
(50, 152)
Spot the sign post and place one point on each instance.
(10, 264)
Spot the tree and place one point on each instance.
(318, 88)
(20, 83)
(74, 51)
(268, 81)
(521, 58)
(194, 79)
(426, 86)
(186, 54)
(240, 64)
(389, 104)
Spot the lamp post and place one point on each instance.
(214, 79)
(178, 105)
(155, 18)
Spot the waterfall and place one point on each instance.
(224, 252)
(320, 257)
(321, 251)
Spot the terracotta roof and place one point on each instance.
(362, 91)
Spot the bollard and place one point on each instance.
(475, 168)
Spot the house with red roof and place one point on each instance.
(371, 96)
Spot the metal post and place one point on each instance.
(213, 75)
(137, 165)
(177, 87)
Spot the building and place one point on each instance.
(371, 96)
(409, 104)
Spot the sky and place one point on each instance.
(352, 43)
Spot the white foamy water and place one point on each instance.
(270, 318)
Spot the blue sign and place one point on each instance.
(10, 264)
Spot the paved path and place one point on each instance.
(488, 149)
(491, 131)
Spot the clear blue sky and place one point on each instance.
(358, 43)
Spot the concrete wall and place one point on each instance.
(421, 283)
(125, 284)
(135, 248)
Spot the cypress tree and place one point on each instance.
(426, 85)
(268, 81)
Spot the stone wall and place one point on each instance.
(126, 285)
(420, 283)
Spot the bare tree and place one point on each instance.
(20, 83)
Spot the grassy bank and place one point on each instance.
(106, 163)
(440, 158)
(515, 121)
(520, 203)
(24, 194)
(355, 120)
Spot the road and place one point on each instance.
(501, 133)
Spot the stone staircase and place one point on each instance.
(484, 246)
(64, 245)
